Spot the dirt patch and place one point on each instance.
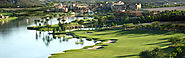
(99, 47)
(95, 47)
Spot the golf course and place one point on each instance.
(130, 43)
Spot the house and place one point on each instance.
(65, 9)
(59, 6)
(118, 5)
(82, 8)
(134, 7)
(138, 5)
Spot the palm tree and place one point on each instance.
(42, 19)
(59, 19)
(76, 20)
(35, 21)
(63, 20)
(51, 17)
(39, 22)
(92, 26)
(46, 19)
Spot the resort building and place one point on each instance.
(118, 6)
(138, 5)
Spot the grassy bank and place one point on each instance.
(51, 27)
(6, 14)
(11, 18)
(129, 44)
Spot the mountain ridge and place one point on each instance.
(20, 3)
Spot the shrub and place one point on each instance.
(178, 52)
(145, 54)
(156, 53)
(175, 40)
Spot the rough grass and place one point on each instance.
(129, 44)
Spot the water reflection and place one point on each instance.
(7, 27)
(56, 20)
(46, 38)
(15, 40)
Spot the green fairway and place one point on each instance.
(129, 44)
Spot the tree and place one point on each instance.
(53, 30)
(35, 21)
(112, 24)
(51, 17)
(92, 26)
(178, 52)
(103, 25)
(126, 19)
(156, 53)
(59, 19)
(88, 21)
(175, 40)
(47, 23)
(59, 28)
(62, 26)
(149, 26)
(96, 24)
(81, 22)
(63, 20)
(112, 17)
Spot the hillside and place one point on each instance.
(129, 1)
(21, 3)
(31, 3)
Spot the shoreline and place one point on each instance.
(93, 47)
(11, 18)
(110, 48)
(99, 45)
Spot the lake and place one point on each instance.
(18, 42)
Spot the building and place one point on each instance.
(59, 6)
(118, 6)
(138, 5)
(82, 8)
(65, 9)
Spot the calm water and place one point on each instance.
(18, 42)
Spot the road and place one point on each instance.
(166, 8)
